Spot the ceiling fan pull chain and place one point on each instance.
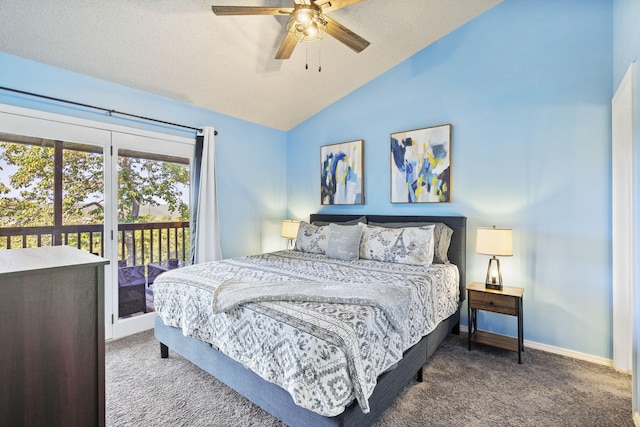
(306, 58)
(319, 60)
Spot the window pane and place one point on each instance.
(153, 224)
(83, 181)
(51, 192)
(26, 181)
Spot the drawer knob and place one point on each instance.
(491, 302)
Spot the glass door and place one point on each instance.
(54, 178)
(152, 185)
(123, 196)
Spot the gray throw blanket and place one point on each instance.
(393, 300)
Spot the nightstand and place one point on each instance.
(506, 301)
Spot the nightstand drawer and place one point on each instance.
(505, 304)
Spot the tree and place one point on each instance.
(149, 182)
(31, 201)
(27, 182)
(141, 182)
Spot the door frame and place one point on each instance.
(623, 177)
(154, 144)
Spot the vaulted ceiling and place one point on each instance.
(181, 50)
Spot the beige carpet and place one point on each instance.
(484, 387)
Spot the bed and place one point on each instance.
(297, 394)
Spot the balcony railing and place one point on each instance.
(138, 243)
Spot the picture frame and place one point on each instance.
(421, 165)
(342, 173)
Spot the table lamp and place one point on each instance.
(495, 242)
(290, 231)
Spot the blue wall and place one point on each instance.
(626, 49)
(527, 87)
(250, 159)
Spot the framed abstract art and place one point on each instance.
(342, 169)
(421, 165)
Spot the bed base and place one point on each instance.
(278, 402)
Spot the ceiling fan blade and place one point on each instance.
(250, 10)
(287, 46)
(331, 5)
(345, 35)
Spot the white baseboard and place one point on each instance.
(563, 352)
(636, 419)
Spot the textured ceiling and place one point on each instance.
(181, 50)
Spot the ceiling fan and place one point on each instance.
(307, 22)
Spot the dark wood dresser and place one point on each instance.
(51, 337)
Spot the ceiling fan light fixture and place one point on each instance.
(307, 23)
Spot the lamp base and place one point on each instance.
(494, 275)
(494, 286)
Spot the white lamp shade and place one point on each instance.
(494, 241)
(290, 229)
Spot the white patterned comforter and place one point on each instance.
(324, 354)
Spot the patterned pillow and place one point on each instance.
(410, 245)
(312, 239)
(344, 241)
(441, 233)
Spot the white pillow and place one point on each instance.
(441, 237)
(410, 245)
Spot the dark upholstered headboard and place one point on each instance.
(457, 250)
